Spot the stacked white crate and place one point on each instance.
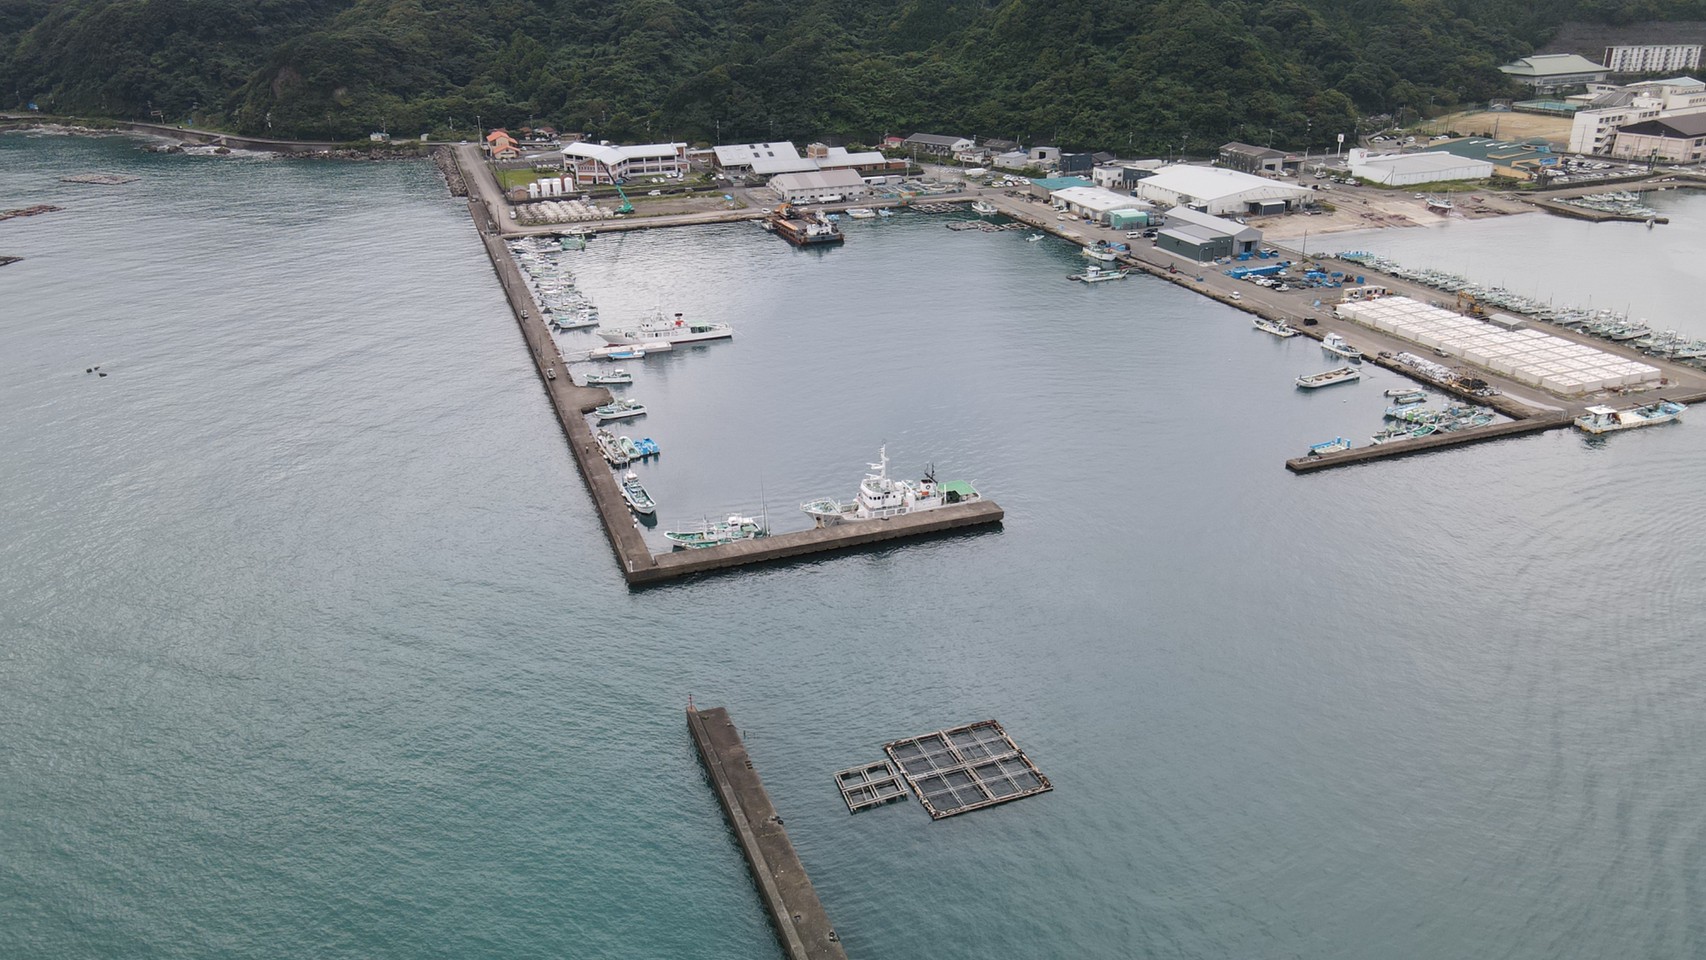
(1529, 356)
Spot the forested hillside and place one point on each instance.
(1142, 75)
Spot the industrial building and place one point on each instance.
(1405, 169)
(1094, 203)
(1123, 174)
(608, 163)
(937, 144)
(819, 186)
(1652, 57)
(1252, 159)
(1201, 237)
(1533, 357)
(1219, 192)
(770, 159)
(760, 159)
(1678, 139)
(1607, 107)
(1554, 71)
(1043, 188)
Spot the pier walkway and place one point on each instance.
(572, 403)
(801, 924)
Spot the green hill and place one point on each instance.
(1139, 75)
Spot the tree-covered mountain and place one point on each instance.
(1142, 75)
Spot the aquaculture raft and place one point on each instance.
(966, 768)
(869, 786)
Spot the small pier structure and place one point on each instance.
(801, 924)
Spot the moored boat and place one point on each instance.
(638, 499)
(1327, 378)
(1340, 347)
(1278, 328)
(629, 448)
(1100, 251)
(661, 328)
(620, 410)
(882, 496)
(716, 534)
(610, 448)
(1329, 446)
(609, 378)
(862, 213)
(984, 208)
(1095, 274)
(647, 447)
(622, 352)
(1601, 419)
(1033, 238)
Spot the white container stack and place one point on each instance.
(1528, 356)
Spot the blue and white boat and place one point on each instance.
(647, 446)
(1329, 446)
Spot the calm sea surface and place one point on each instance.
(312, 645)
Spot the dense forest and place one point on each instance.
(1126, 75)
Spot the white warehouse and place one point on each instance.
(1218, 191)
(1399, 170)
(822, 186)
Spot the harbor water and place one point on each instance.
(313, 644)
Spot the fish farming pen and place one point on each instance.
(869, 786)
(966, 768)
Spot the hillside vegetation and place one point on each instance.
(1139, 75)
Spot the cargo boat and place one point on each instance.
(803, 229)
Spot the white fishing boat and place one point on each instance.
(1340, 347)
(623, 409)
(716, 534)
(984, 208)
(860, 213)
(1610, 420)
(1034, 238)
(1278, 328)
(609, 378)
(1327, 378)
(610, 448)
(638, 499)
(668, 330)
(881, 496)
(1095, 274)
(1100, 252)
(577, 320)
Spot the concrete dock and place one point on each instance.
(572, 403)
(802, 926)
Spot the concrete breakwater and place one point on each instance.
(572, 403)
(802, 927)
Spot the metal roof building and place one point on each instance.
(1554, 71)
(1398, 170)
(1093, 203)
(760, 159)
(1218, 191)
(822, 186)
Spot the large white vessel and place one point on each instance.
(669, 330)
(881, 496)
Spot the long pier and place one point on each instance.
(572, 403)
(801, 924)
